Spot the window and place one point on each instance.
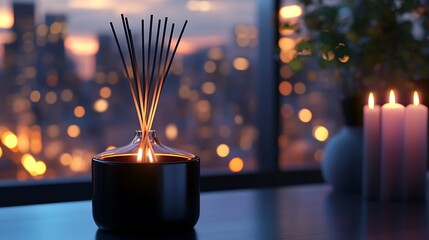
(309, 109)
(64, 97)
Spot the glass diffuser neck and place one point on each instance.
(131, 152)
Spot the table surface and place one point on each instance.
(299, 212)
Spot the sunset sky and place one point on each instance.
(208, 19)
(211, 23)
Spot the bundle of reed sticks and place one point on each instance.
(146, 81)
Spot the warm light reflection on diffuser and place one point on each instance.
(110, 147)
(416, 100)
(149, 155)
(140, 155)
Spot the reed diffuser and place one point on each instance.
(145, 185)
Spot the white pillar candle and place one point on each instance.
(392, 149)
(415, 153)
(371, 147)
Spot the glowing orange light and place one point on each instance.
(171, 131)
(40, 168)
(186, 47)
(105, 92)
(416, 98)
(66, 159)
(6, 18)
(371, 101)
(241, 64)
(73, 131)
(101, 105)
(94, 4)
(9, 139)
(36, 144)
(28, 162)
(291, 11)
(210, 67)
(23, 138)
(110, 148)
(77, 164)
(140, 155)
(392, 97)
(305, 115)
(236, 164)
(299, 88)
(1, 152)
(286, 44)
(208, 88)
(82, 45)
(35, 96)
(320, 133)
(285, 88)
(79, 111)
(222, 150)
(202, 6)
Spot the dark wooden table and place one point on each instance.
(300, 212)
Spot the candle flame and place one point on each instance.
(371, 101)
(416, 98)
(139, 155)
(392, 97)
(149, 154)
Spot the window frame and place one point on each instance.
(14, 192)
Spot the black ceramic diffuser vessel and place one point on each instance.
(132, 196)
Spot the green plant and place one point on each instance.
(372, 41)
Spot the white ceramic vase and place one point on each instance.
(342, 160)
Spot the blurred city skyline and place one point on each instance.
(64, 96)
(57, 116)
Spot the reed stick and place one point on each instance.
(146, 87)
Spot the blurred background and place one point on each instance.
(64, 96)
